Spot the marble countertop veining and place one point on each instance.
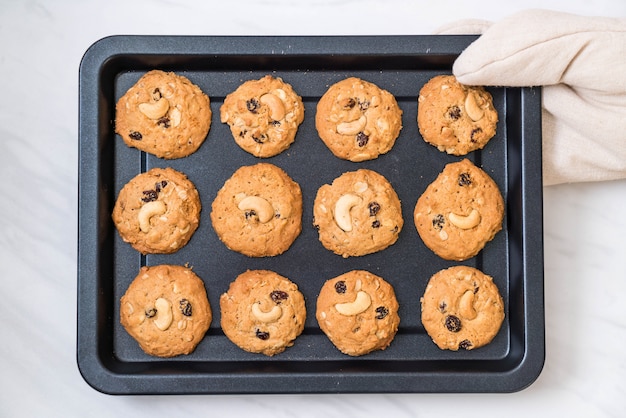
(41, 45)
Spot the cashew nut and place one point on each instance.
(175, 117)
(352, 128)
(260, 206)
(465, 222)
(360, 304)
(474, 111)
(277, 108)
(163, 318)
(155, 110)
(149, 210)
(270, 316)
(360, 186)
(466, 305)
(342, 210)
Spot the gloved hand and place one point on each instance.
(581, 64)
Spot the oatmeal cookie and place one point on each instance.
(358, 120)
(454, 117)
(163, 114)
(263, 115)
(166, 310)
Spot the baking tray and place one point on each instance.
(112, 362)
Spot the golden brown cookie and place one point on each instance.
(263, 115)
(454, 117)
(262, 312)
(166, 310)
(358, 312)
(163, 114)
(357, 120)
(158, 211)
(459, 212)
(461, 308)
(258, 211)
(358, 214)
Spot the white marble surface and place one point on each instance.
(41, 44)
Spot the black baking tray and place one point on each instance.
(112, 362)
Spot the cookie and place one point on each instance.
(158, 211)
(262, 312)
(166, 310)
(163, 114)
(455, 118)
(263, 115)
(358, 312)
(461, 308)
(258, 211)
(357, 120)
(358, 214)
(459, 212)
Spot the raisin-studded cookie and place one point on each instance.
(358, 312)
(258, 211)
(158, 211)
(263, 115)
(166, 310)
(459, 212)
(262, 312)
(462, 308)
(454, 117)
(357, 120)
(163, 114)
(358, 214)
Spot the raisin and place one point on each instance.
(464, 179)
(262, 335)
(278, 296)
(259, 139)
(364, 105)
(465, 344)
(438, 222)
(362, 139)
(135, 135)
(150, 313)
(249, 214)
(453, 324)
(253, 105)
(164, 121)
(475, 132)
(275, 123)
(340, 287)
(454, 112)
(350, 103)
(374, 208)
(442, 306)
(185, 307)
(376, 224)
(150, 195)
(156, 94)
(159, 186)
(381, 312)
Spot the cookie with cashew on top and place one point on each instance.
(455, 118)
(258, 211)
(164, 114)
(166, 310)
(357, 120)
(262, 312)
(263, 115)
(461, 308)
(358, 312)
(459, 212)
(157, 212)
(358, 214)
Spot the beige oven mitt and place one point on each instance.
(581, 64)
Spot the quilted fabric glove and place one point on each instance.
(581, 64)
